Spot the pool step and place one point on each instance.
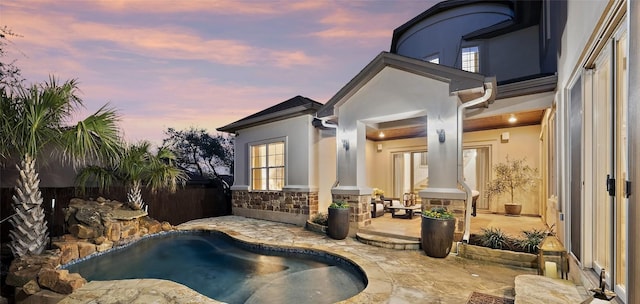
(384, 240)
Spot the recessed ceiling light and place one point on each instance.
(512, 119)
(381, 134)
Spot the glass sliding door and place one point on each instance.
(410, 172)
(419, 172)
(602, 163)
(476, 170)
(575, 169)
(610, 164)
(621, 165)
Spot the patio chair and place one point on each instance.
(377, 208)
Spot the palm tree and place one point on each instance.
(33, 118)
(137, 167)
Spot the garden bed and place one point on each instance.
(311, 226)
(512, 252)
(501, 256)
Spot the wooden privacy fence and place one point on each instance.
(188, 203)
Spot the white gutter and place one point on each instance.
(327, 125)
(488, 92)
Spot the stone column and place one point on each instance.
(359, 210)
(453, 200)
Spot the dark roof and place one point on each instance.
(434, 10)
(295, 106)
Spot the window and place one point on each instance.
(471, 59)
(267, 166)
(432, 58)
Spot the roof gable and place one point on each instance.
(296, 106)
(458, 80)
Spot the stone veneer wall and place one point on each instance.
(359, 210)
(457, 207)
(299, 204)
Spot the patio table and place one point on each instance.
(408, 210)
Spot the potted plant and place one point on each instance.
(511, 176)
(438, 226)
(338, 220)
(378, 193)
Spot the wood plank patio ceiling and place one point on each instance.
(494, 122)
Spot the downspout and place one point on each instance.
(328, 125)
(488, 92)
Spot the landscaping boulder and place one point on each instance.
(129, 229)
(84, 232)
(166, 226)
(104, 246)
(60, 280)
(152, 225)
(85, 249)
(43, 296)
(31, 287)
(68, 250)
(112, 230)
(89, 216)
(26, 268)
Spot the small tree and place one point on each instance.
(511, 176)
(33, 118)
(138, 167)
(200, 153)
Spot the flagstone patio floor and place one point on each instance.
(395, 276)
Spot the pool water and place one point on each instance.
(223, 269)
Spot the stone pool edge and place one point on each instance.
(379, 284)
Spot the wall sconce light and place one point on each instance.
(512, 119)
(345, 144)
(441, 136)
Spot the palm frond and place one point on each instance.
(101, 177)
(96, 138)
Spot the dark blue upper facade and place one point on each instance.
(513, 38)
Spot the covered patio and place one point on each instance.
(426, 98)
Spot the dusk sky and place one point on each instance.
(200, 63)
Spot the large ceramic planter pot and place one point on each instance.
(437, 236)
(512, 209)
(338, 223)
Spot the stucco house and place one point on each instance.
(464, 85)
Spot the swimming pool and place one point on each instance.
(231, 271)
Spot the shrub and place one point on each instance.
(339, 205)
(495, 238)
(438, 213)
(531, 240)
(321, 219)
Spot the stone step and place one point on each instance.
(389, 234)
(406, 243)
(535, 289)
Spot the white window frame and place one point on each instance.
(466, 58)
(268, 165)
